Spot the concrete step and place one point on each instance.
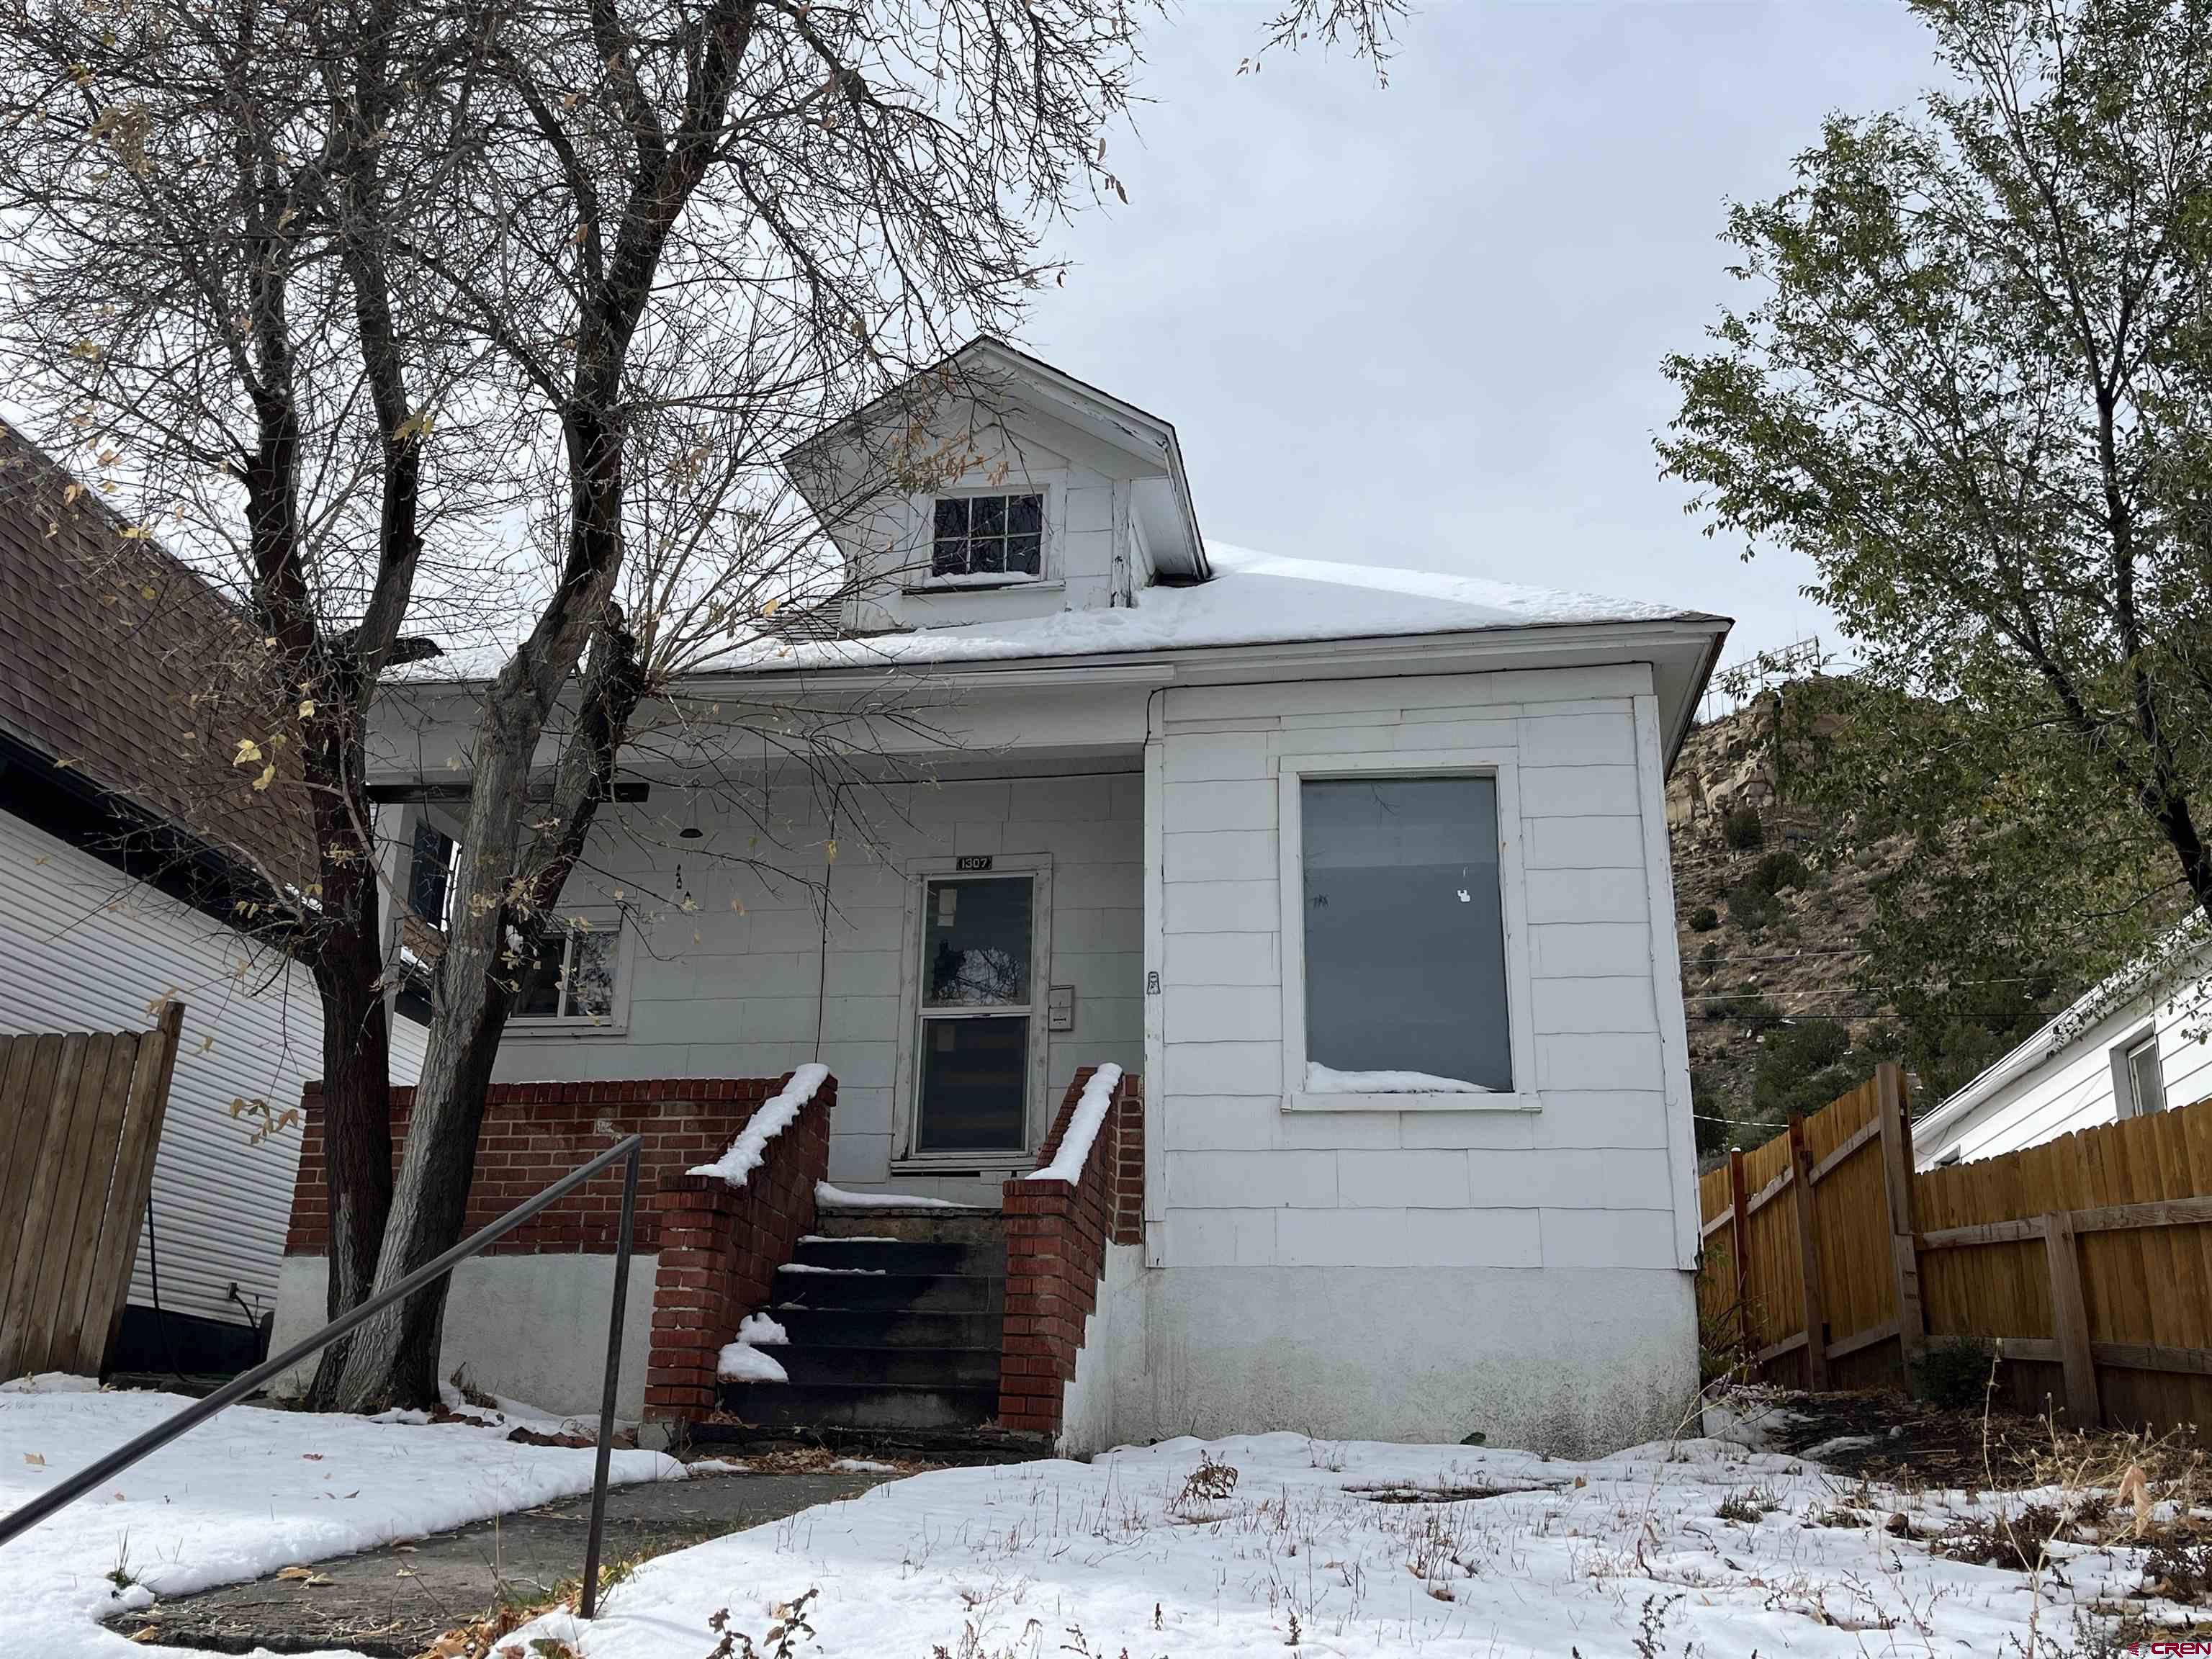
(964, 1368)
(919, 1224)
(889, 1328)
(904, 1255)
(844, 1288)
(882, 1406)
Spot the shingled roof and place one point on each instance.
(109, 655)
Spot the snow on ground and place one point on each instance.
(238, 1497)
(1358, 1549)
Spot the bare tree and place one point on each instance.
(486, 322)
(202, 306)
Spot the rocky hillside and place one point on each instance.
(1770, 938)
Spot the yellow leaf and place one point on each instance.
(831, 848)
(247, 751)
(268, 775)
(769, 610)
(307, 708)
(70, 495)
(34, 1460)
(296, 1574)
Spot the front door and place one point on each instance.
(977, 995)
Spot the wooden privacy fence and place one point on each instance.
(2087, 1259)
(80, 1115)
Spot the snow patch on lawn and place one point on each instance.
(1253, 1544)
(238, 1497)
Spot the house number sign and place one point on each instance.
(975, 862)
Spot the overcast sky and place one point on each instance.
(1422, 325)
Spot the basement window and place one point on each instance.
(988, 537)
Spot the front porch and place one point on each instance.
(953, 950)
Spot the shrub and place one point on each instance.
(1709, 957)
(1779, 870)
(1751, 907)
(1742, 830)
(1954, 1373)
(1705, 919)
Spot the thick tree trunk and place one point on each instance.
(357, 1083)
(394, 1357)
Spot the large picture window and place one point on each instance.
(1404, 939)
(1404, 934)
(977, 978)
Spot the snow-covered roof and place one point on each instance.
(1254, 598)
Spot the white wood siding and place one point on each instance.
(82, 948)
(1588, 1180)
(2072, 1088)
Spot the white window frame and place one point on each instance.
(2123, 1076)
(1500, 764)
(906, 1106)
(615, 1022)
(1049, 571)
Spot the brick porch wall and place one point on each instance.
(536, 1132)
(1057, 1232)
(719, 1248)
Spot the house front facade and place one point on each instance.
(1364, 871)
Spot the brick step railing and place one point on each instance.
(1057, 1232)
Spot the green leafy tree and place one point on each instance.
(1972, 382)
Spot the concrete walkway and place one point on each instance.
(392, 1602)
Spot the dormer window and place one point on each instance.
(1001, 536)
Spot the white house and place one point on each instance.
(107, 905)
(1364, 871)
(2135, 1044)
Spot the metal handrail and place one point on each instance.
(22, 1520)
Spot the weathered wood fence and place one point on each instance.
(2088, 1259)
(80, 1115)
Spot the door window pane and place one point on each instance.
(976, 944)
(974, 1077)
(1405, 936)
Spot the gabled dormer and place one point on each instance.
(994, 487)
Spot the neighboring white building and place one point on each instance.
(106, 907)
(2122, 1050)
(1364, 871)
